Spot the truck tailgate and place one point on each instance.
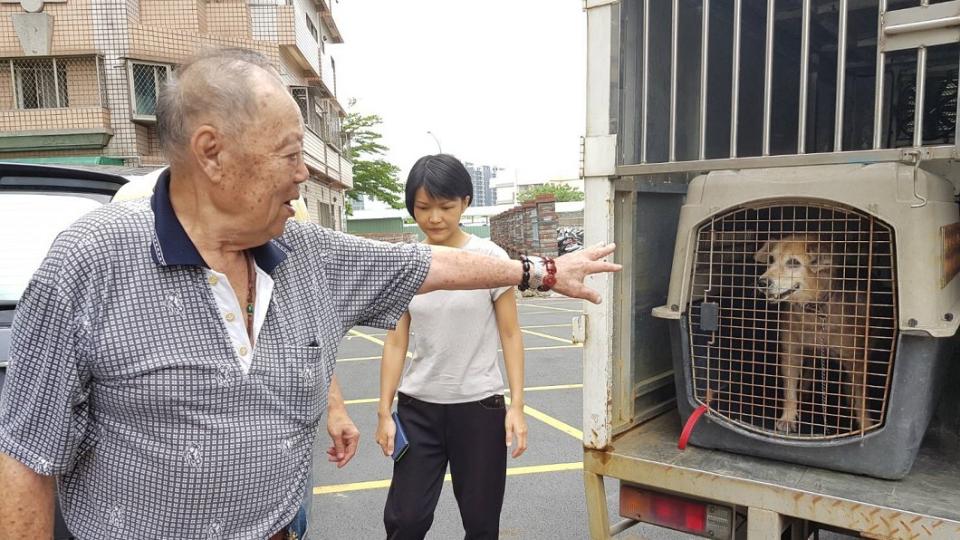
(924, 504)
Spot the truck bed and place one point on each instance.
(925, 504)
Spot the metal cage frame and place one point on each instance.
(732, 329)
(919, 28)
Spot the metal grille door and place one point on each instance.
(793, 319)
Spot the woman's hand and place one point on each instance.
(386, 430)
(516, 425)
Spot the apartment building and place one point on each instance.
(79, 78)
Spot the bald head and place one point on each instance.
(221, 87)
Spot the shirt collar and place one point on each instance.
(172, 246)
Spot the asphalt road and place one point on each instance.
(544, 493)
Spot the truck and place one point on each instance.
(710, 126)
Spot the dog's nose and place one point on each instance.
(763, 282)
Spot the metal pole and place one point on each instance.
(920, 93)
(436, 140)
(841, 76)
(879, 79)
(56, 82)
(674, 31)
(768, 77)
(17, 99)
(96, 59)
(735, 89)
(804, 78)
(704, 54)
(918, 97)
(644, 118)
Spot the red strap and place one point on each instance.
(688, 427)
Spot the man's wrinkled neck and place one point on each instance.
(207, 228)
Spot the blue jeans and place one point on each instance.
(298, 527)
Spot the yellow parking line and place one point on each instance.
(409, 355)
(358, 358)
(549, 347)
(361, 401)
(541, 306)
(551, 421)
(372, 339)
(511, 471)
(368, 337)
(546, 326)
(527, 389)
(551, 387)
(548, 336)
(371, 335)
(522, 328)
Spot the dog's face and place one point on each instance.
(799, 269)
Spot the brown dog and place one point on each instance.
(822, 320)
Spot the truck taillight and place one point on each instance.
(687, 515)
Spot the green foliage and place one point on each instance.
(562, 192)
(373, 176)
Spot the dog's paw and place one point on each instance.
(787, 424)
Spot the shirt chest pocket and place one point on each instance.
(300, 377)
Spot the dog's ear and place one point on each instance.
(762, 255)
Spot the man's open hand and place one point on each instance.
(574, 267)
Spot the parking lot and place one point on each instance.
(544, 496)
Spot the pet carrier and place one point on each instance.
(810, 304)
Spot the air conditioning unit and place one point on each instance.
(812, 310)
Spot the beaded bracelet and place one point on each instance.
(544, 270)
(525, 282)
(550, 279)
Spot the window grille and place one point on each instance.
(40, 83)
(146, 79)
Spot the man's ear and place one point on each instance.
(206, 145)
(762, 255)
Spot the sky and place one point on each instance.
(498, 82)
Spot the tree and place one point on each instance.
(373, 176)
(562, 192)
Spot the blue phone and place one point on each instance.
(400, 442)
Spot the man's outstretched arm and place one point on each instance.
(456, 269)
(26, 507)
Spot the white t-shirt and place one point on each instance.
(455, 341)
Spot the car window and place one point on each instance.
(29, 222)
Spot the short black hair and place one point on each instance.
(442, 176)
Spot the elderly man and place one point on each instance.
(172, 357)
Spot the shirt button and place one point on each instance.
(212, 280)
(243, 351)
(231, 317)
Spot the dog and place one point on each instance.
(821, 319)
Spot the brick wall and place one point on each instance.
(530, 228)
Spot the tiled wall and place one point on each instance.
(72, 27)
(163, 31)
(46, 119)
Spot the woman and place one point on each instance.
(450, 399)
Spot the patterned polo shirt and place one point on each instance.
(123, 381)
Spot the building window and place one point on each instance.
(326, 215)
(146, 79)
(40, 83)
(312, 27)
(314, 109)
